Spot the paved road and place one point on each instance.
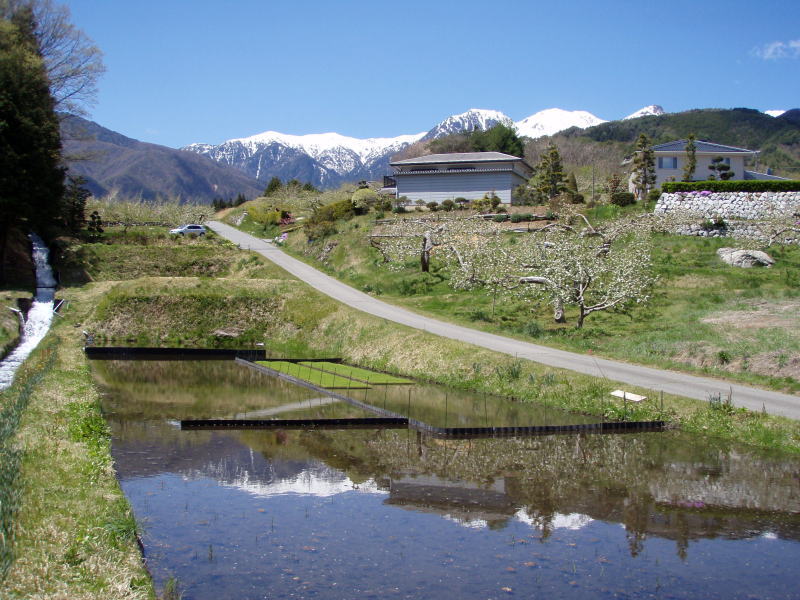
(670, 382)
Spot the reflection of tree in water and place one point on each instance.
(668, 485)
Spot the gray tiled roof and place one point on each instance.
(456, 157)
(700, 146)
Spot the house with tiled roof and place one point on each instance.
(671, 158)
(469, 175)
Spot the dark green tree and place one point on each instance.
(31, 176)
(500, 138)
(691, 159)
(644, 167)
(549, 182)
(73, 208)
(720, 169)
(273, 186)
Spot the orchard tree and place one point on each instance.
(691, 159)
(644, 167)
(591, 268)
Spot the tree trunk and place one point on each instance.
(558, 313)
(581, 317)
(425, 256)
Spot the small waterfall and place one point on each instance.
(39, 316)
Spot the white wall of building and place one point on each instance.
(701, 172)
(437, 187)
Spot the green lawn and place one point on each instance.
(358, 374)
(315, 376)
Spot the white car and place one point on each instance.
(189, 229)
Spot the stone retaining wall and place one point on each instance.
(730, 205)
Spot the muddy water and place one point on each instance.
(391, 514)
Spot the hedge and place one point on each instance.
(750, 185)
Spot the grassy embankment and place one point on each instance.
(9, 321)
(66, 529)
(705, 317)
(293, 320)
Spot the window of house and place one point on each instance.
(667, 162)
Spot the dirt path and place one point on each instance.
(670, 382)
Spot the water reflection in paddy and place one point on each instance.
(351, 514)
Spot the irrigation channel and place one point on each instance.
(39, 317)
(298, 512)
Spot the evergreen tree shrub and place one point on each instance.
(623, 198)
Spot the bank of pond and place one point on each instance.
(383, 512)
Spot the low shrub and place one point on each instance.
(750, 185)
(448, 205)
(317, 231)
(623, 198)
(343, 209)
(433, 206)
(500, 218)
(653, 195)
(399, 209)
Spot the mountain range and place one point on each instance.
(329, 159)
(200, 172)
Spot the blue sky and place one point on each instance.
(182, 71)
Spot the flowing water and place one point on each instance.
(39, 317)
(395, 514)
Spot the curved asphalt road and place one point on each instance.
(655, 379)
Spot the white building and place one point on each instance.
(671, 158)
(470, 175)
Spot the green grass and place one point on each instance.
(9, 321)
(307, 373)
(675, 330)
(151, 251)
(357, 373)
(72, 532)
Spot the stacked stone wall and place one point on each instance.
(731, 205)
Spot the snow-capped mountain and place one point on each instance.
(647, 111)
(324, 159)
(329, 159)
(774, 113)
(474, 118)
(553, 120)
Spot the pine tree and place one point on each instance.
(74, 204)
(273, 186)
(644, 167)
(721, 169)
(691, 159)
(549, 179)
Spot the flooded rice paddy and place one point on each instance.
(392, 513)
